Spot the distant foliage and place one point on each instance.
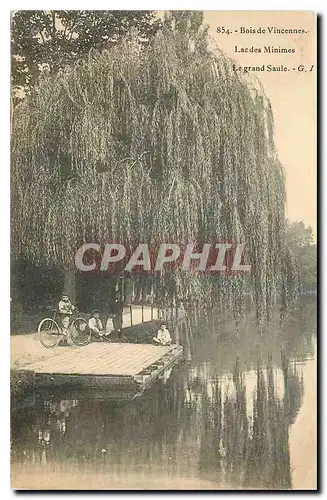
(300, 239)
(47, 41)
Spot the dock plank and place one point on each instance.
(102, 359)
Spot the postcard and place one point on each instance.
(163, 250)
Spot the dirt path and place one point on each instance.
(25, 349)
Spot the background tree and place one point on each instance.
(184, 20)
(300, 240)
(49, 40)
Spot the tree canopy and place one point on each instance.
(149, 144)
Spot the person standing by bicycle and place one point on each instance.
(66, 310)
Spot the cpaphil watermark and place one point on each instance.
(208, 258)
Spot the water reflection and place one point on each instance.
(226, 421)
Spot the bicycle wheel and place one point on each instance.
(80, 332)
(49, 333)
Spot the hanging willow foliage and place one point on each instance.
(163, 143)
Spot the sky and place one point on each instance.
(292, 93)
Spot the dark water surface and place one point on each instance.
(222, 419)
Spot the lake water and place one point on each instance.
(239, 413)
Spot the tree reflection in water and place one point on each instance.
(190, 426)
(221, 417)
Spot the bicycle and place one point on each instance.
(50, 333)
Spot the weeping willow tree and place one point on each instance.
(153, 144)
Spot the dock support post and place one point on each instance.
(142, 312)
(130, 311)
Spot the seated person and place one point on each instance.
(95, 324)
(163, 336)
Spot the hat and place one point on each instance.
(96, 311)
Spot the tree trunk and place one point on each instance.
(69, 285)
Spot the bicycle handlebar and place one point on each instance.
(54, 310)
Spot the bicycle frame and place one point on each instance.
(57, 318)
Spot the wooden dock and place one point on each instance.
(125, 367)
